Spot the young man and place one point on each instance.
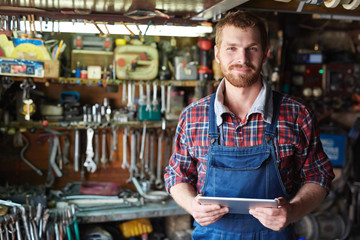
(247, 141)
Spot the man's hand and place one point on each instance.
(306, 200)
(274, 218)
(206, 214)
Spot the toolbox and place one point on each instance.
(136, 62)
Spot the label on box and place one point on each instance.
(21, 68)
(334, 146)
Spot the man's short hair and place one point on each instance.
(242, 19)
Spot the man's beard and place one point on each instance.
(241, 80)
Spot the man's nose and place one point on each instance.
(241, 57)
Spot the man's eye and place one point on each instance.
(252, 48)
(231, 48)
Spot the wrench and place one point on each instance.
(76, 150)
(103, 148)
(163, 98)
(124, 89)
(148, 93)
(89, 162)
(133, 169)
(96, 150)
(25, 222)
(152, 158)
(155, 101)
(125, 163)
(146, 151)
(158, 182)
(113, 143)
(141, 157)
(15, 213)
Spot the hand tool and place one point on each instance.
(124, 89)
(147, 153)
(89, 162)
(76, 150)
(103, 158)
(167, 148)
(129, 97)
(5, 220)
(125, 163)
(53, 152)
(12, 229)
(113, 142)
(155, 101)
(23, 150)
(163, 101)
(75, 223)
(141, 156)
(1, 229)
(152, 158)
(32, 224)
(45, 219)
(96, 147)
(158, 182)
(133, 169)
(168, 99)
(66, 150)
(148, 97)
(15, 213)
(25, 222)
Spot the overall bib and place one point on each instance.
(246, 172)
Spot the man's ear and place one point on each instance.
(216, 52)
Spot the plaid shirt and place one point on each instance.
(301, 158)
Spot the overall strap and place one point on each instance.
(271, 128)
(213, 131)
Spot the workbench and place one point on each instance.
(148, 210)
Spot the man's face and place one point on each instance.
(240, 55)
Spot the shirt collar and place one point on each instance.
(263, 103)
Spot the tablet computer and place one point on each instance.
(239, 205)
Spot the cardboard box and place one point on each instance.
(21, 68)
(51, 69)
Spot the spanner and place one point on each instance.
(76, 150)
(141, 156)
(96, 150)
(113, 143)
(152, 158)
(133, 169)
(125, 163)
(25, 222)
(103, 158)
(158, 182)
(89, 162)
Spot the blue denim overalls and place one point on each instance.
(247, 172)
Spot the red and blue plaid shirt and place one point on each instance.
(301, 158)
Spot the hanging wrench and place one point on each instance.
(155, 101)
(141, 156)
(103, 148)
(148, 98)
(125, 163)
(124, 89)
(96, 150)
(152, 158)
(89, 162)
(158, 182)
(133, 169)
(147, 153)
(163, 98)
(113, 142)
(76, 150)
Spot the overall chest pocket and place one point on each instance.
(232, 159)
(238, 173)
